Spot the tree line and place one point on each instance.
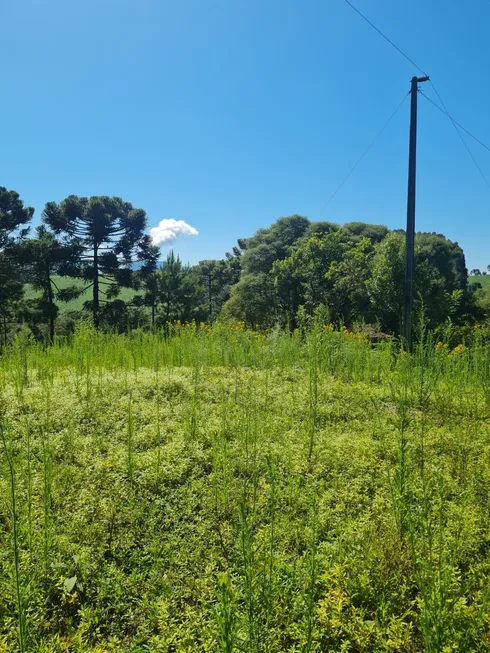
(281, 275)
(476, 272)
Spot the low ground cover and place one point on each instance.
(216, 489)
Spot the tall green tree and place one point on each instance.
(150, 283)
(179, 291)
(253, 300)
(110, 234)
(14, 221)
(441, 280)
(348, 298)
(207, 272)
(385, 284)
(217, 278)
(260, 253)
(45, 257)
(330, 269)
(14, 217)
(272, 244)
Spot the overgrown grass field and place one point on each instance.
(222, 490)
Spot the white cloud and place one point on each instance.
(169, 230)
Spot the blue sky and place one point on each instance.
(230, 113)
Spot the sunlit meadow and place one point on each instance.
(218, 489)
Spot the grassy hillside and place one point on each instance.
(483, 279)
(224, 491)
(77, 304)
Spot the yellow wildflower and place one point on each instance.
(457, 350)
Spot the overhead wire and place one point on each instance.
(386, 38)
(456, 128)
(454, 123)
(364, 153)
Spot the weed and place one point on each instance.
(225, 489)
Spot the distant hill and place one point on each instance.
(126, 294)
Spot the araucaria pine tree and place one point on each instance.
(110, 233)
(14, 218)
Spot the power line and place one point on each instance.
(386, 38)
(455, 121)
(455, 125)
(364, 153)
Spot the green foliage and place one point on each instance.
(43, 258)
(14, 217)
(479, 287)
(206, 489)
(253, 300)
(110, 235)
(329, 270)
(272, 244)
(386, 282)
(356, 271)
(290, 269)
(178, 290)
(217, 278)
(374, 232)
(440, 281)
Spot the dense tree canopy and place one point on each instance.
(353, 273)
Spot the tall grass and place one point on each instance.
(225, 489)
(16, 545)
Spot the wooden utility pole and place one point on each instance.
(410, 233)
